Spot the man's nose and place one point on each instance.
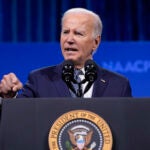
(70, 39)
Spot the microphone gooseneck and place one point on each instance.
(90, 73)
(68, 74)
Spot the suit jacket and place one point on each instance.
(47, 82)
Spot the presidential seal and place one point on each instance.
(80, 130)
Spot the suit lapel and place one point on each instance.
(59, 84)
(100, 84)
(62, 88)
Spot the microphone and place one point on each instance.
(68, 74)
(68, 71)
(90, 70)
(90, 73)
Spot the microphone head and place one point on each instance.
(90, 70)
(68, 71)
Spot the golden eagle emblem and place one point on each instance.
(80, 137)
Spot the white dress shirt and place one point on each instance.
(88, 94)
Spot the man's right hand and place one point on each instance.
(9, 85)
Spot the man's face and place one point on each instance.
(77, 42)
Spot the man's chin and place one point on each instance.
(71, 58)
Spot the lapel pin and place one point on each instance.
(103, 80)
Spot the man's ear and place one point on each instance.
(97, 41)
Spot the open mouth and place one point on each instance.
(70, 49)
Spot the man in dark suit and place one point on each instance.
(80, 37)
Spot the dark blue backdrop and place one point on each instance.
(131, 59)
(39, 20)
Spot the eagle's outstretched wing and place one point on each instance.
(88, 137)
(72, 138)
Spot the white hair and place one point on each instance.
(97, 20)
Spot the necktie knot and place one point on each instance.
(77, 73)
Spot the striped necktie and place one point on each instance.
(76, 86)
